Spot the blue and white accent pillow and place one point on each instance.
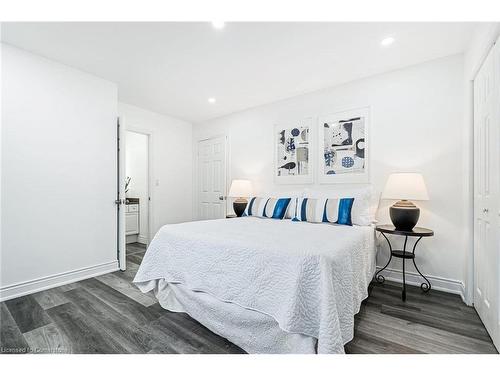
(274, 208)
(331, 210)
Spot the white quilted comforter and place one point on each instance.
(310, 278)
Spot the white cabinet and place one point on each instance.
(132, 219)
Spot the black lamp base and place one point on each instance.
(404, 215)
(239, 206)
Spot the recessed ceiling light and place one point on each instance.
(387, 41)
(218, 24)
(211, 100)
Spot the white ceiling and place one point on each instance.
(173, 68)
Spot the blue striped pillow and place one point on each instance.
(273, 208)
(337, 211)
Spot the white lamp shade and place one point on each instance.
(409, 186)
(240, 189)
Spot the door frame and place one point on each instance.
(196, 178)
(149, 134)
(124, 127)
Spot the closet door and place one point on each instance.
(487, 193)
(212, 178)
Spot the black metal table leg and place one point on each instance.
(380, 278)
(427, 285)
(418, 233)
(403, 295)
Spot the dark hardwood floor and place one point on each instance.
(108, 314)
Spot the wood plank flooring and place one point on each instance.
(108, 314)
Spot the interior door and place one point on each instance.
(120, 199)
(212, 178)
(487, 194)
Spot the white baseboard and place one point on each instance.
(413, 278)
(143, 240)
(48, 282)
(131, 238)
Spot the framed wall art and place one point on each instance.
(293, 158)
(343, 147)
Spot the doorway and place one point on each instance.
(137, 189)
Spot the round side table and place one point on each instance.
(403, 254)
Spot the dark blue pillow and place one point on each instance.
(280, 208)
(345, 208)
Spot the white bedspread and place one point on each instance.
(311, 278)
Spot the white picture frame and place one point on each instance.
(294, 174)
(348, 148)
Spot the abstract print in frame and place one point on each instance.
(292, 155)
(343, 155)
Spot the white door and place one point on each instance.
(122, 247)
(487, 193)
(212, 178)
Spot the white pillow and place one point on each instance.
(325, 210)
(294, 194)
(273, 208)
(361, 213)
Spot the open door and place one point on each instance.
(120, 197)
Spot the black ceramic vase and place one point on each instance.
(404, 215)
(239, 206)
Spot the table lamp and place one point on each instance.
(405, 187)
(240, 189)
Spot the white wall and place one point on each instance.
(58, 173)
(417, 125)
(136, 167)
(48, 111)
(480, 44)
(171, 159)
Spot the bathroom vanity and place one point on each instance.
(132, 224)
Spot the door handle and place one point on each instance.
(221, 198)
(485, 210)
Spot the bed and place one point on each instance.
(268, 286)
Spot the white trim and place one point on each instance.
(229, 179)
(468, 214)
(131, 238)
(413, 278)
(143, 239)
(48, 282)
(490, 38)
